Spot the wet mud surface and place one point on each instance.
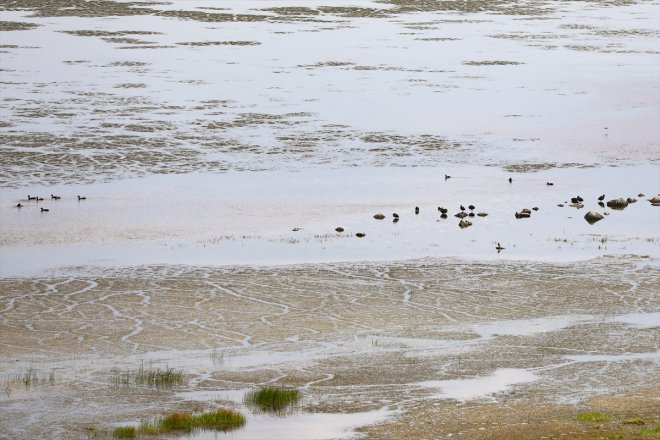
(409, 338)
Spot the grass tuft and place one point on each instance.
(593, 417)
(223, 420)
(272, 399)
(125, 432)
(151, 377)
(634, 421)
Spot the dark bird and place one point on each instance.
(499, 247)
(601, 204)
(447, 176)
(395, 215)
(360, 234)
(443, 215)
(44, 210)
(416, 209)
(575, 200)
(19, 206)
(510, 180)
(39, 199)
(549, 183)
(82, 198)
(601, 198)
(536, 208)
(580, 199)
(443, 210)
(395, 220)
(471, 214)
(31, 198)
(55, 197)
(339, 229)
(471, 207)
(462, 208)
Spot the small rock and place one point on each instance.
(592, 217)
(360, 234)
(536, 208)
(482, 214)
(561, 205)
(471, 214)
(416, 209)
(526, 211)
(464, 223)
(443, 215)
(606, 213)
(631, 200)
(461, 215)
(379, 216)
(295, 229)
(395, 220)
(577, 205)
(641, 195)
(655, 200)
(339, 229)
(523, 215)
(618, 204)
(549, 183)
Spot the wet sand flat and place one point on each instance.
(386, 340)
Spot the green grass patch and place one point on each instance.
(125, 432)
(650, 432)
(634, 421)
(593, 417)
(272, 399)
(149, 376)
(223, 420)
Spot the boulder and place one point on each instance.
(464, 223)
(592, 217)
(631, 200)
(655, 200)
(618, 204)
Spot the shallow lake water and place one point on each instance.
(218, 144)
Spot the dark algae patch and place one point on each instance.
(16, 26)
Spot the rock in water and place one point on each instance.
(593, 216)
(464, 223)
(360, 234)
(619, 204)
(379, 216)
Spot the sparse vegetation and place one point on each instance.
(152, 377)
(634, 421)
(223, 420)
(650, 432)
(273, 399)
(27, 379)
(593, 417)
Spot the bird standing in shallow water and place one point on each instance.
(19, 206)
(601, 198)
(82, 198)
(44, 210)
(499, 247)
(510, 180)
(416, 209)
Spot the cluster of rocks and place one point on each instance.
(576, 202)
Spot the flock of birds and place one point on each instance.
(40, 199)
